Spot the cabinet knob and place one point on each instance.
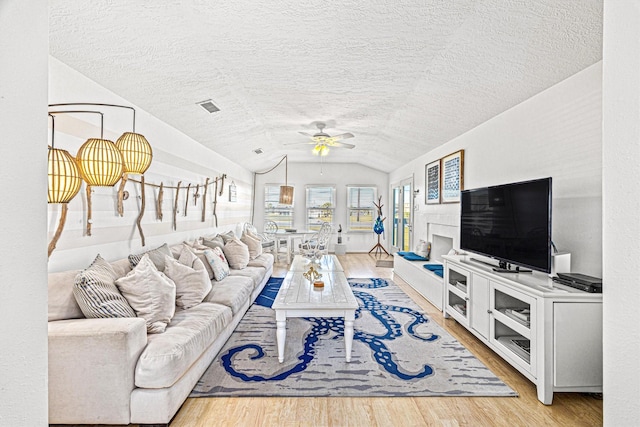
(466, 298)
(489, 311)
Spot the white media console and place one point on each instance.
(427, 283)
(551, 333)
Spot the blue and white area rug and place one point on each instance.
(397, 351)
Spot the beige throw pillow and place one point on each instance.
(156, 255)
(150, 293)
(237, 254)
(191, 285)
(253, 243)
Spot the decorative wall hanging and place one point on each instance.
(159, 202)
(175, 207)
(186, 199)
(452, 177)
(432, 183)
(204, 199)
(142, 206)
(232, 192)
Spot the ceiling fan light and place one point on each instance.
(320, 150)
(100, 162)
(136, 152)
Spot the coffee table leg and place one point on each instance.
(281, 333)
(348, 333)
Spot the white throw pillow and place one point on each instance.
(191, 285)
(150, 293)
(237, 254)
(218, 263)
(253, 243)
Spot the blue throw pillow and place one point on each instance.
(413, 257)
(436, 268)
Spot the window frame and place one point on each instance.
(271, 214)
(360, 208)
(313, 224)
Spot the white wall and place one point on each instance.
(340, 174)
(23, 306)
(176, 158)
(556, 133)
(621, 175)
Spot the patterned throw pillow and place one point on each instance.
(96, 292)
(254, 244)
(150, 293)
(237, 254)
(156, 255)
(218, 263)
(192, 285)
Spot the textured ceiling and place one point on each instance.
(402, 76)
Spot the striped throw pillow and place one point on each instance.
(96, 292)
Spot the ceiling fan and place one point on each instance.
(323, 141)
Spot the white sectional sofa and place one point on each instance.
(110, 371)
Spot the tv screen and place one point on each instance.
(510, 222)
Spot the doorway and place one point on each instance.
(402, 209)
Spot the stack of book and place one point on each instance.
(521, 315)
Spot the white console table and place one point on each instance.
(564, 332)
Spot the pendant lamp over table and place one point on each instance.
(286, 191)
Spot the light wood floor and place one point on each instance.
(568, 409)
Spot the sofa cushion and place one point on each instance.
(96, 292)
(192, 285)
(205, 262)
(62, 304)
(254, 244)
(169, 355)
(265, 261)
(256, 274)
(237, 253)
(233, 292)
(156, 255)
(227, 237)
(150, 293)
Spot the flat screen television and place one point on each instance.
(510, 223)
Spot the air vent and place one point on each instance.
(258, 151)
(209, 106)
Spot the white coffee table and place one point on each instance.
(327, 262)
(298, 298)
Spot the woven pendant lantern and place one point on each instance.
(136, 152)
(64, 176)
(286, 191)
(100, 162)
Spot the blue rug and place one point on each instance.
(397, 351)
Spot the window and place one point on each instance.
(361, 211)
(320, 205)
(273, 210)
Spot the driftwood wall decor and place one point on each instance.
(123, 182)
(204, 199)
(142, 205)
(196, 195)
(175, 207)
(186, 199)
(89, 220)
(56, 236)
(159, 202)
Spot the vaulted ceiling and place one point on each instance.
(403, 76)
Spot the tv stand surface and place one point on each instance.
(562, 357)
(502, 267)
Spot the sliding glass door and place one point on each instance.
(402, 215)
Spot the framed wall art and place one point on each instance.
(452, 177)
(233, 195)
(432, 183)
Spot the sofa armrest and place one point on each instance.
(91, 369)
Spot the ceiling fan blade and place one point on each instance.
(342, 145)
(342, 136)
(301, 143)
(306, 134)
